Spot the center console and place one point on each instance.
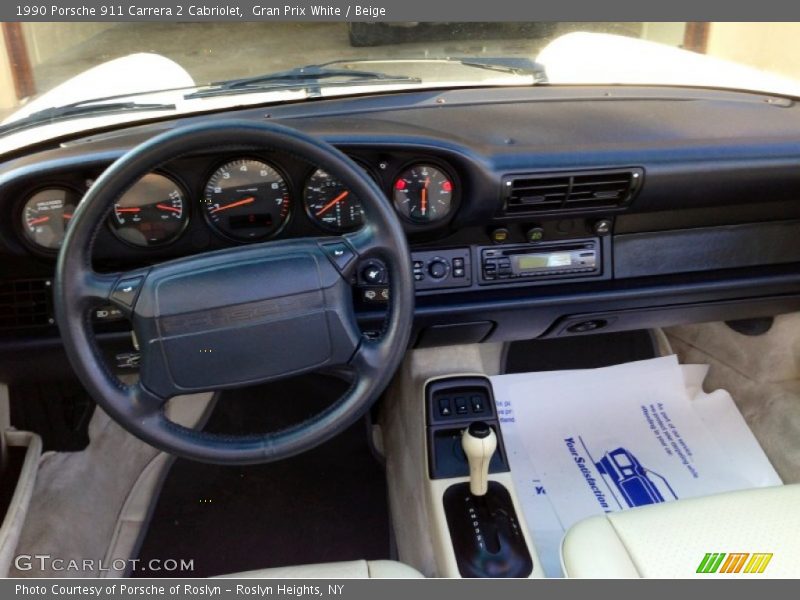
(467, 459)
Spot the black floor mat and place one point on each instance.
(579, 352)
(328, 504)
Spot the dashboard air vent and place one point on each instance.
(581, 190)
(25, 304)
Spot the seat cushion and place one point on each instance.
(354, 569)
(672, 539)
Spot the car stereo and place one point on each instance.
(546, 260)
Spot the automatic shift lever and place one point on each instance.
(479, 442)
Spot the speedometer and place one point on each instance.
(331, 205)
(247, 200)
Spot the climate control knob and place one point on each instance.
(438, 268)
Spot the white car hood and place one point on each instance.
(599, 58)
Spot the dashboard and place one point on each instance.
(540, 212)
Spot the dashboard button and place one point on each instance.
(534, 234)
(126, 291)
(445, 410)
(339, 253)
(374, 274)
(437, 269)
(499, 235)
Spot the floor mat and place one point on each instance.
(579, 352)
(326, 505)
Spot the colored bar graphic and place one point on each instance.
(758, 563)
(713, 562)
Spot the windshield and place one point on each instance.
(61, 65)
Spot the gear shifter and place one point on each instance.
(479, 442)
(483, 524)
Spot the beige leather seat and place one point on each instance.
(672, 539)
(354, 569)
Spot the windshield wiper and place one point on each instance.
(79, 109)
(514, 65)
(310, 78)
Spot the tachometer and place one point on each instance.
(331, 205)
(247, 200)
(46, 215)
(151, 213)
(423, 193)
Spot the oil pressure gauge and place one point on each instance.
(46, 215)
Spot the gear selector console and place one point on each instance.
(486, 535)
(464, 439)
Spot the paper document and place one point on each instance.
(587, 442)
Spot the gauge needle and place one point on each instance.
(132, 209)
(425, 195)
(33, 222)
(67, 215)
(242, 202)
(332, 203)
(168, 207)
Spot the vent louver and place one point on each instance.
(25, 304)
(560, 192)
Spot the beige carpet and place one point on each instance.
(762, 374)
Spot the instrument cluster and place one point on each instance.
(244, 199)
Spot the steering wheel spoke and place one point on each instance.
(96, 288)
(366, 243)
(144, 404)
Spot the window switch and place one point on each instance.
(461, 405)
(445, 410)
(477, 404)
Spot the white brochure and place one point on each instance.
(586, 442)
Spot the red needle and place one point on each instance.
(332, 203)
(249, 200)
(425, 195)
(168, 207)
(132, 209)
(67, 215)
(37, 221)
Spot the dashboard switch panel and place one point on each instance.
(442, 269)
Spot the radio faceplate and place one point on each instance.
(576, 258)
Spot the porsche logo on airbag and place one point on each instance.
(242, 314)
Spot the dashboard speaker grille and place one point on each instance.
(25, 303)
(560, 192)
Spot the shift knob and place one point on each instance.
(479, 442)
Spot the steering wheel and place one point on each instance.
(239, 316)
